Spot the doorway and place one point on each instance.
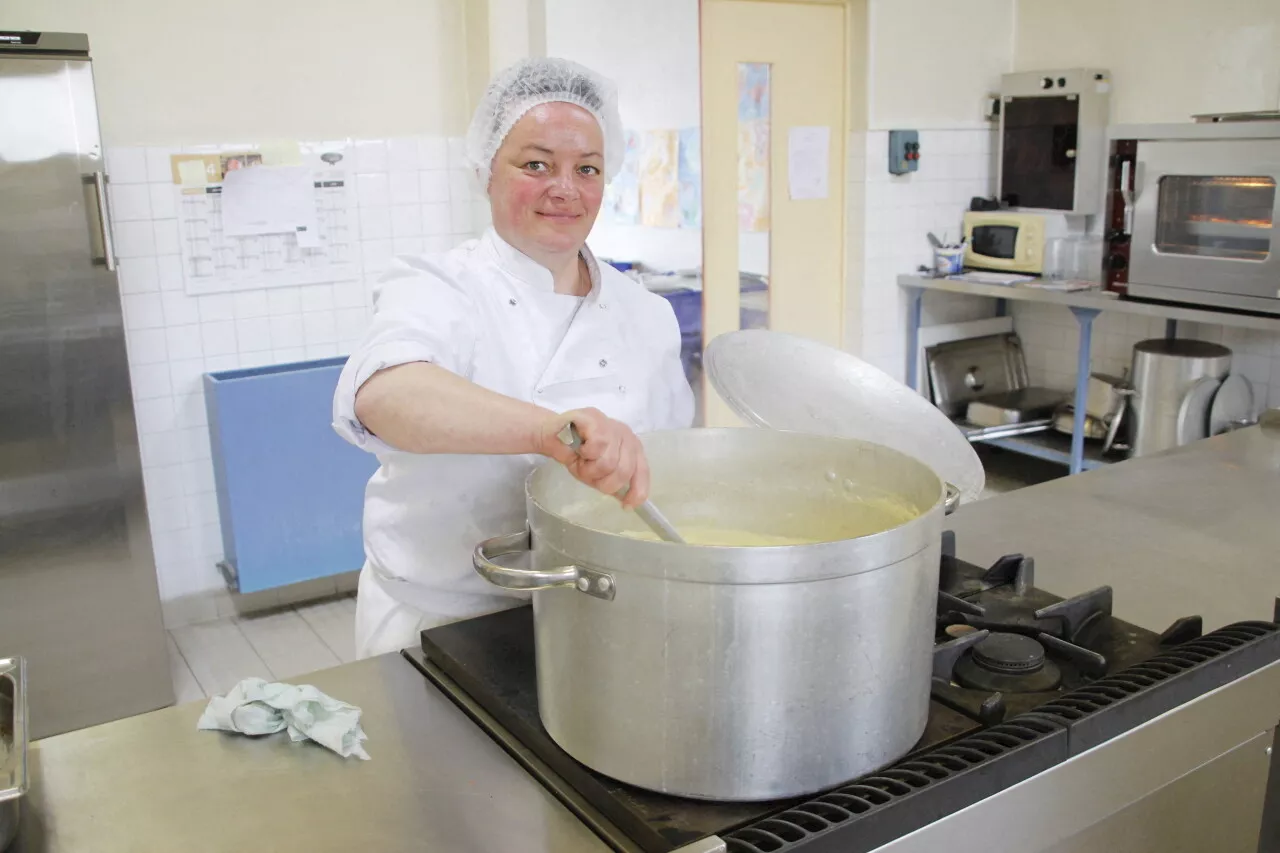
(775, 107)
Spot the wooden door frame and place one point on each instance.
(853, 118)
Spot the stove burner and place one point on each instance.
(1012, 654)
(1007, 663)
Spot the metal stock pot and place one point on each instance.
(736, 673)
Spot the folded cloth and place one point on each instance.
(258, 707)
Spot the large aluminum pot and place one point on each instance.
(736, 673)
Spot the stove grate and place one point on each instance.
(895, 798)
(876, 809)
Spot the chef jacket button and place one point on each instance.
(511, 302)
(622, 388)
(604, 362)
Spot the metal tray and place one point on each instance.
(1013, 407)
(961, 371)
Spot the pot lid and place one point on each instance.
(785, 382)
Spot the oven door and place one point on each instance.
(1204, 223)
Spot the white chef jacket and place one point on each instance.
(490, 314)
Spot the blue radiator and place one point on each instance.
(290, 491)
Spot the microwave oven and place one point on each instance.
(1191, 214)
(1004, 240)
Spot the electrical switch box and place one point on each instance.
(904, 151)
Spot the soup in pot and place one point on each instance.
(780, 524)
(723, 537)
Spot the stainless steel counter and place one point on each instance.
(436, 782)
(1099, 300)
(1194, 531)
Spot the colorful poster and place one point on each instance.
(622, 196)
(659, 188)
(753, 176)
(753, 147)
(689, 176)
(753, 91)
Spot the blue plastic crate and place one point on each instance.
(290, 491)
(753, 313)
(688, 307)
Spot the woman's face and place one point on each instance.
(548, 181)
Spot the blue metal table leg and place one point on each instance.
(1170, 329)
(1085, 317)
(916, 295)
(1002, 307)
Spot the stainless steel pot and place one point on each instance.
(736, 673)
(1164, 372)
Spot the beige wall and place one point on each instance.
(859, 63)
(172, 71)
(517, 29)
(932, 61)
(1169, 59)
(649, 49)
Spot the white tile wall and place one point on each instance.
(1255, 354)
(413, 196)
(1049, 336)
(899, 210)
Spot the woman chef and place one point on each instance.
(477, 358)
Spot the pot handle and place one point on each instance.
(593, 583)
(952, 501)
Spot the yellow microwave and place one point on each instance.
(1004, 240)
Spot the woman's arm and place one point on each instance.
(423, 408)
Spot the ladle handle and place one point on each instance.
(649, 514)
(952, 501)
(573, 440)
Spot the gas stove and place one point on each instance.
(1022, 681)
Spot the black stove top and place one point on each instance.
(1022, 680)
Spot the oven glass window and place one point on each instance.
(1215, 216)
(1038, 165)
(995, 241)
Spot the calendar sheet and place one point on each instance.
(213, 261)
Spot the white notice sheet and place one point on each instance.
(807, 153)
(270, 200)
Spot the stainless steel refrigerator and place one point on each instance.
(78, 590)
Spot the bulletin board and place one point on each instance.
(214, 261)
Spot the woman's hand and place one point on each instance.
(610, 459)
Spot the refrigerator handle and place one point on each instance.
(100, 220)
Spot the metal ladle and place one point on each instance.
(648, 513)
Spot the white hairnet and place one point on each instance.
(525, 85)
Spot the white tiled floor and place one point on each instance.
(209, 658)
